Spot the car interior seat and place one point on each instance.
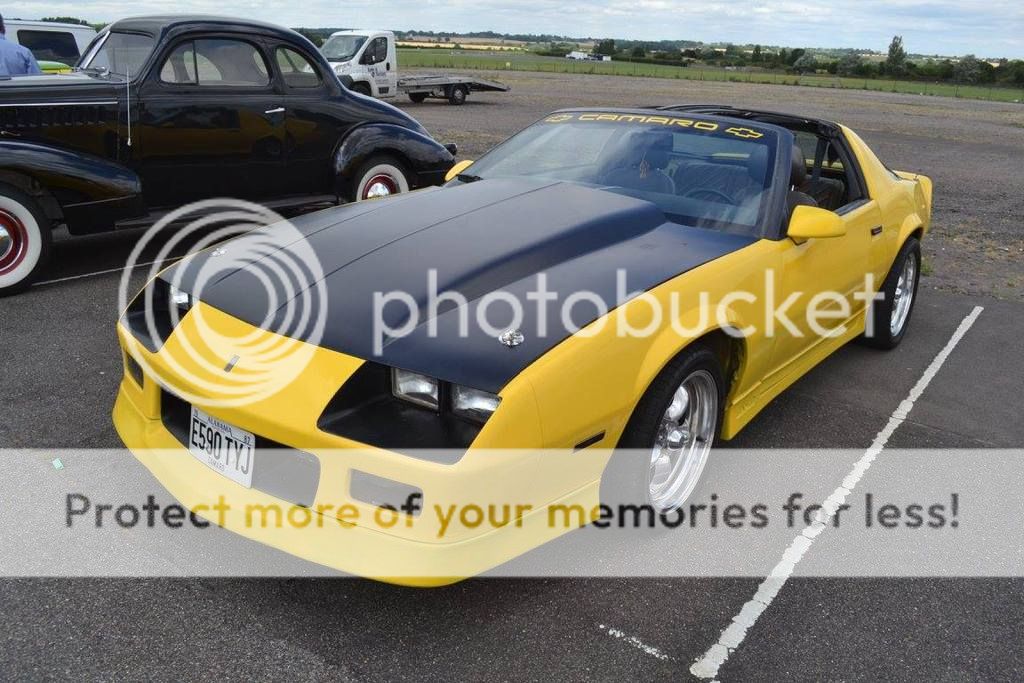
(797, 180)
(646, 160)
(737, 182)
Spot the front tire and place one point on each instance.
(666, 444)
(418, 97)
(379, 177)
(25, 238)
(890, 316)
(362, 88)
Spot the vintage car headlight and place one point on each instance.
(473, 404)
(416, 388)
(179, 299)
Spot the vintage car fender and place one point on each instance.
(375, 139)
(91, 192)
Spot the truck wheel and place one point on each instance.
(25, 238)
(362, 88)
(457, 95)
(417, 97)
(379, 177)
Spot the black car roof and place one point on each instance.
(158, 25)
(783, 119)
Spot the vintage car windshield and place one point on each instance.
(698, 172)
(342, 48)
(123, 54)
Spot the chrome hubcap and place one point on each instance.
(6, 242)
(903, 297)
(380, 186)
(684, 440)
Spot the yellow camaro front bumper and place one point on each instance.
(475, 513)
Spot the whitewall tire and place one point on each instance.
(25, 238)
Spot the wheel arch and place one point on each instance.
(422, 156)
(32, 187)
(728, 346)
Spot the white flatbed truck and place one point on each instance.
(367, 62)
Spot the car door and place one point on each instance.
(211, 123)
(312, 126)
(826, 275)
(375, 57)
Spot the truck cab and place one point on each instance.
(367, 57)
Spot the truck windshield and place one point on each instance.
(122, 54)
(703, 173)
(342, 48)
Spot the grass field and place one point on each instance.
(458, 59)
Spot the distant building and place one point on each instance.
(588, 57)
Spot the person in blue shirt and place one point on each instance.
(15, 60)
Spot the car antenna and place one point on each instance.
(128, 100)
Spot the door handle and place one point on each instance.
(388, 65)
(279, 110)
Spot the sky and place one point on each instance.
(992, 28)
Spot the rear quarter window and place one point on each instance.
(50, 46)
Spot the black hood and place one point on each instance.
(479, 238)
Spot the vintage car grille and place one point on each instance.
(281, 471)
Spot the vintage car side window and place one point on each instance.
(230, 63)
(216, 63)
(180, 67)
(296, 69)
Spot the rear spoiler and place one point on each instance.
(924, 184)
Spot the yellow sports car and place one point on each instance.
(406, 388)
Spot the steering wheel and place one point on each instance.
(713, 193)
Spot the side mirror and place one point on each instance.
(811, 223)
(457, 169)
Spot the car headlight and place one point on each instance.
(470, 404)
(416, 388)
(179, 299)
(473, 404)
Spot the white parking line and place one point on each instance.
(732, 637)
(98, 272)
(635, 642)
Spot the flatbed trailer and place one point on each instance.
(454, 88)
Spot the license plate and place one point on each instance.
(222, 447)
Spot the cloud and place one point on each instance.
(991, 28)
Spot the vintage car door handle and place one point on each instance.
(876, 231)
(279, 110)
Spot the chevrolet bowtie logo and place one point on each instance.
(744, 133)
(558, 118)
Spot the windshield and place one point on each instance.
(123, 54)
(342, 48)
(698, 172)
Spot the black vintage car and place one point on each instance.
(163, 111)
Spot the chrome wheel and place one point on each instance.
(380, 179)
(903, 295)
(683, 442)
(380, 186)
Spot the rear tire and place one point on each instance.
(683, 405)
(890, 316)
(457, 95)
(418, 97)
(362, 88)
(379, 176)
(25, 238)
